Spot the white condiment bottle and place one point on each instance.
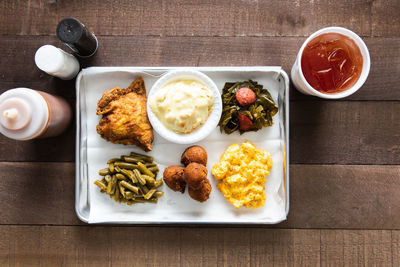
(27, 114)
(56, 62)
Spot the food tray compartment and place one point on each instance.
(272, 77)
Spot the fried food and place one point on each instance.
(194, 154)
(202, 193)
(174, 178)
(125, 118)
(195, 174)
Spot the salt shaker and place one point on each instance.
(56, 62)
(27, 114)
(76, 36)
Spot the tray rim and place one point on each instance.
(89, 70)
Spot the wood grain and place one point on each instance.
(321, 196)
(384, 15)
(345, 132)
(193, 18)
(18, 68)
(37, 193)
(144, 246)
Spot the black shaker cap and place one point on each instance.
(76, 36)
(69, 30)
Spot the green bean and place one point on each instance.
(120, 176)
(144, 157)
(129, 186)
(107, 178)
(130, 174)
(139, 177)
(144, 170)
(117, 168)
(144, 189)
(128, 195)
(116, 195)
(104, 172)
(113, 160)
(152, 164)
(158, 194)
(153, 169)
(158, 183)
(151, 200)
(149, 194)
(148, 179)
(121, 189)
(112, 185)
(111, 167)
(131, 179)
(131, 159)
(126, 165)
(101, 185)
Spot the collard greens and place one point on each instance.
(260, 112)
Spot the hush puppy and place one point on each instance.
(195, 174)
(202, 193)
(194, 154)
(174, 178)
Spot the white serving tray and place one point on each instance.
(92, 152)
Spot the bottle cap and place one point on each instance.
(17, 107)
(49, 59)
(15, 113)
(56, 62)
(77, 37)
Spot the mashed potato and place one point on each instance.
(242, 171)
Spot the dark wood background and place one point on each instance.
(345, 154)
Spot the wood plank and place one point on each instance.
(272, 247)
(326, 196)
(17, 68)
(384, 15)
(332, 248)
(182, 18)
(370, 248)
(396, 248)
(345, 132)
(361, 197)
(95, 246)
(306, 248)
(37, 193)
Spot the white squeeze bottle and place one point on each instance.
(27, 114)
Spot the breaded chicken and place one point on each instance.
(125, 118)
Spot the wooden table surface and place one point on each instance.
(344, 154)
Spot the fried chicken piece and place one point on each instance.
(125, 118)
(174, 178)
(202, 193)
(194, 154)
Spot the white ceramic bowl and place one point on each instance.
(300, 81)
(201, 132)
